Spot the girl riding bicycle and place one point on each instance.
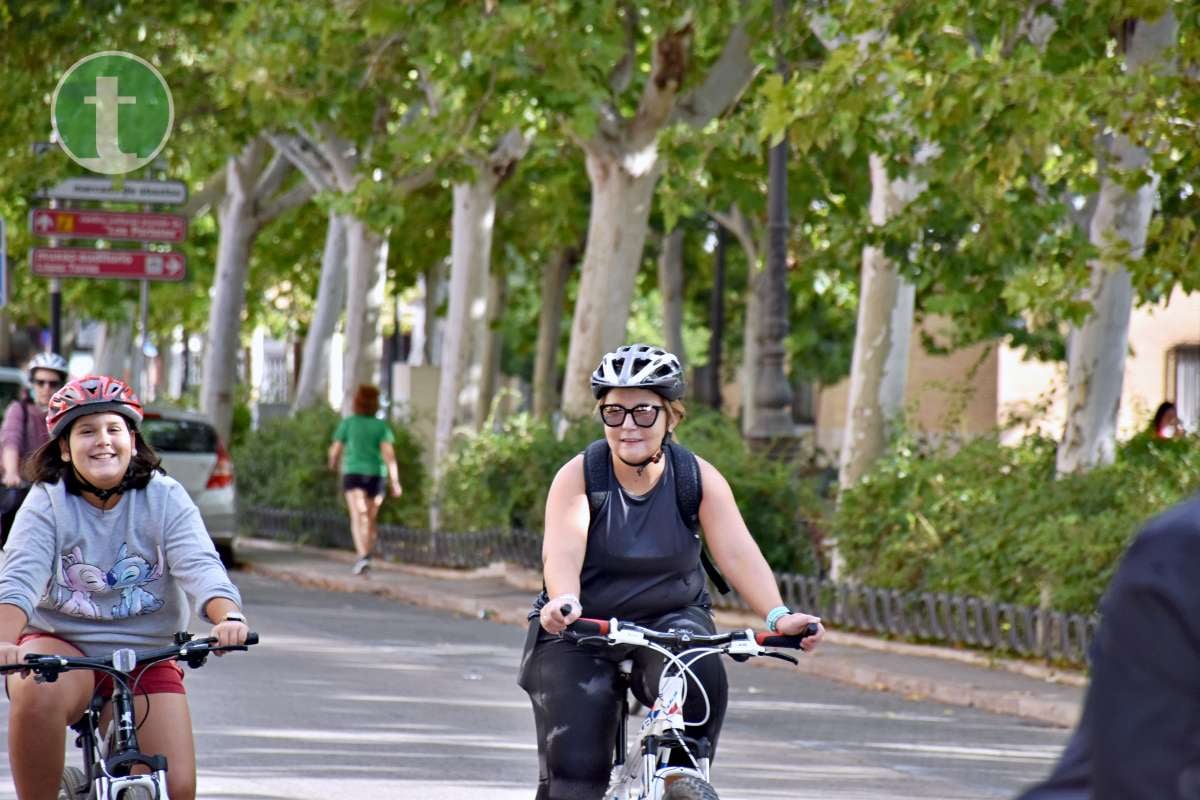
(626, 551)
(104, 554)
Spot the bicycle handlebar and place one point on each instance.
(194, 651)
(584, 627)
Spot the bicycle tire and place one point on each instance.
(689, 788)
(136, 793)
(73, 785)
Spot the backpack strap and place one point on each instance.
(595, 474)
(688, 493)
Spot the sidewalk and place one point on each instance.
(503, 593)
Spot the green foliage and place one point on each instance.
(283, 465)
(500, 480)
(992, 520)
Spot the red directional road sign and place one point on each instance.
(87, 224)
(78, 262)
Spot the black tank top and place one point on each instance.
(642, 561)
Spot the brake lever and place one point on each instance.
(784, 657)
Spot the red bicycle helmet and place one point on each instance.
(91, 394)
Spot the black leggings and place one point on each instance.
(576, 706)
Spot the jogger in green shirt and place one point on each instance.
(363, 444)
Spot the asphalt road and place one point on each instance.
(352, 696)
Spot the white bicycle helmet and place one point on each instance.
(51, 361)
(639, 366)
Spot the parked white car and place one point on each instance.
(194, 455)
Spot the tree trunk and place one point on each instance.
(238, 230)
(312, 388)
(112, 348)
(716, 322)
(493, 345)
(545, 369)
(743, 228)
(1096, 351)
(879, 369)
(616, 235)
(432, 327)
(670, 287)
(471, 234)
(366, 253)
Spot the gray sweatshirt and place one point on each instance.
(106, 579)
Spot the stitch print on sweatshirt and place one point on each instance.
(123, 582)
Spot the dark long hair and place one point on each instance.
(45, 465)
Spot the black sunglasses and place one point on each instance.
(644, 416)
(51, 384)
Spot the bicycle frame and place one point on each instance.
(645, 771)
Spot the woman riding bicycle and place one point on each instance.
(101, 557)
(635, 558)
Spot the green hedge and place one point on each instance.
(283, 465)
(992, 520)
(500, 479)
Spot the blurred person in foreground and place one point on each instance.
(1139, 735)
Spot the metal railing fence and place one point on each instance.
(932, 617)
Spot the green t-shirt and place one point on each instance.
(361, 435)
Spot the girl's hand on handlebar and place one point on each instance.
(9, 654)
(552, 617)
(794, 625)
(229, 633)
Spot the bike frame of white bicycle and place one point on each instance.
(641, 777)
(644, 776)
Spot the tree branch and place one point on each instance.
(202, 200)
(273, 176)
(307, 159)
(726, 80)
(667, 70)
(295, 197)
(622, 73)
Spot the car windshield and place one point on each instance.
(179, 435)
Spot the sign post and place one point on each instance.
(82, 262)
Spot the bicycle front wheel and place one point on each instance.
(136, 793)
(73, 785)
(689, 788)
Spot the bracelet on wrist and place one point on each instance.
(774, 615)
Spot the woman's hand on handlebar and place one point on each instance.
(228, 634)
(560, 612)
(794, 625)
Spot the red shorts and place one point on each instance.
(165, 677)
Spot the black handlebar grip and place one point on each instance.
(251, 638)
(593, 627)
(779, 640)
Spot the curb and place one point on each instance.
(1059, 713)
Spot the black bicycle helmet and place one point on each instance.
(639, 366)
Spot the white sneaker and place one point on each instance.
(361, 566)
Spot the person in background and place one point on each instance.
(24, 430)
(362, 444)
(1166, 421)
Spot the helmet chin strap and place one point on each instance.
(654, 459)
(102, 494)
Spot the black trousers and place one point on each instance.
(576, 705)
